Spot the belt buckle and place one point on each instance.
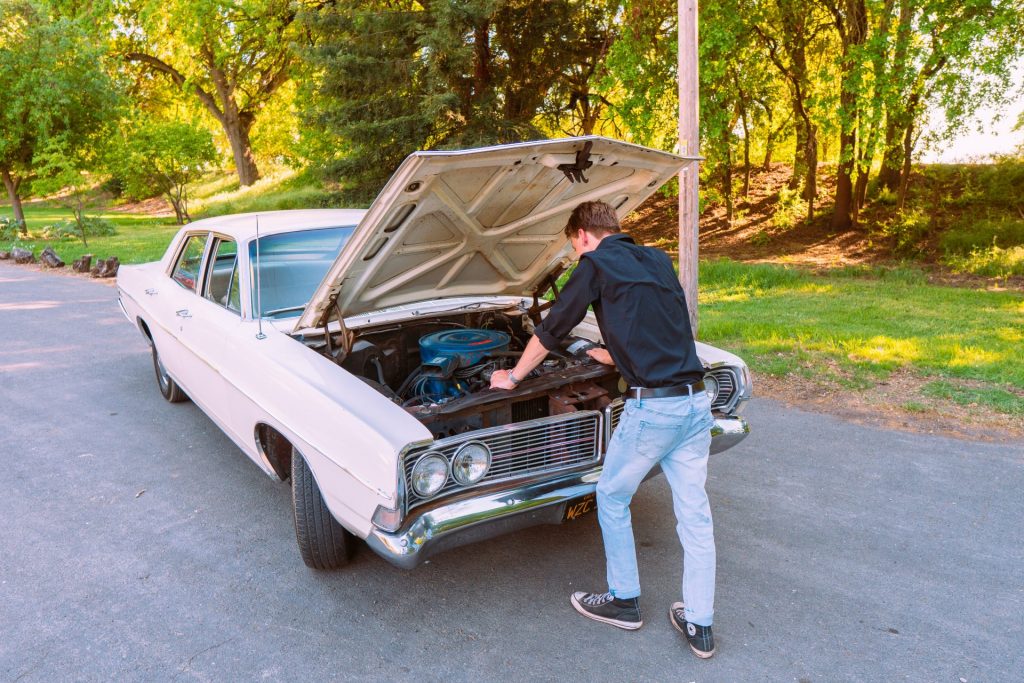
(638, 392)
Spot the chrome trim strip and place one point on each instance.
(124, 310)
(470, 519)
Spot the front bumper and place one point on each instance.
(479, 517)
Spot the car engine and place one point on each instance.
(439, 371)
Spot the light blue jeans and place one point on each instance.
(675, 433)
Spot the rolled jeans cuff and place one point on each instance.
(625, 595)
(698, 619)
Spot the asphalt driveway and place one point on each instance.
(138, 543)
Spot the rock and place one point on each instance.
(22, 255)
(50, 259)
(4, 255)
(106, 267)
(82, 265)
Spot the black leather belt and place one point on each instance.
(667, 392)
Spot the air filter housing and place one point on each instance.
(445, 352)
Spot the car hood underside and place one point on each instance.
(481, 222)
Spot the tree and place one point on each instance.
(850, 18)
(166, 157)
(232, 56)
(791, 32)
(56, 94)
(360, 114)
(438, 74)
(953, 55)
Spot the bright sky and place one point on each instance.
(994, 137)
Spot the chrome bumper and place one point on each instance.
(477, 518)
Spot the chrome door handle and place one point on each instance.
(183, 313)
(151, 291)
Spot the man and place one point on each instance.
(641, 310)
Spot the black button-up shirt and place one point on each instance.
(640, 307)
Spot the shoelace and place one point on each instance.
(596, 599)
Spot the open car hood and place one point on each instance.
(481, 222)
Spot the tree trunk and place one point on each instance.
(860, 193)
(727, 184)
(841, 215)
(237, 129)
(746, 155)
(769, 143)
(892, 159)
(800, 151)
(811, 181)
(12, 186)
(908, 147)
(174, 196)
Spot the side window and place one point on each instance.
(186, 270)
(222, 278)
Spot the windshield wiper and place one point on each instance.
(287, 309)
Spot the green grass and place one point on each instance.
(143, 238)
(994, 398)
(278, 190)
(138, 238)
(856, 331)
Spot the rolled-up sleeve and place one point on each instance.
(581, 290)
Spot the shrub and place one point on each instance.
(992, 261)
(789, 210)
(908, 231)
(93, 226)
(969, 234)
(10, 229)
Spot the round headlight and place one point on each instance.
(471, 463)
(711, 386)
(429, 474)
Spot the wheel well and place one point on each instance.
(276, 449)
(145, 329)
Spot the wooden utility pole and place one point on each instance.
(689, 145)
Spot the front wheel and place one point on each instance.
(169, 389)
(323, 542)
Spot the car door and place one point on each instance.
(171, 303)
(209, 318)
(218, 338)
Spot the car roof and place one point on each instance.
(242, 226)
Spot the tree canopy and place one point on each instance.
(57, 97)
(349, 88)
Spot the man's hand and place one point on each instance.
(600, 355)
(500, 380)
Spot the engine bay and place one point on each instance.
(439, 370)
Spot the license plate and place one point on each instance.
(580, 507)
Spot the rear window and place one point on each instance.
(291, 266)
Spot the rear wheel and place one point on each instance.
(169, 389)
(323, 543)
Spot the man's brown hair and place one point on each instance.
(594, 217)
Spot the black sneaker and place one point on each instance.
(609, 609)
(700, 638)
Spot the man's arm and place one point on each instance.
(569, 309)
(531, 358)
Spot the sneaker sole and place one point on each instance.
(625, 625)
(699, 653)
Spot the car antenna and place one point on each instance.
(259, 300)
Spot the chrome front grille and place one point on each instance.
(525, 449)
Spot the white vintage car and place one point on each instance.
(350, 350)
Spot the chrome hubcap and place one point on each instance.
(161, 374)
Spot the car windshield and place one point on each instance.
(291, 266)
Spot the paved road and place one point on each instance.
(137, 543)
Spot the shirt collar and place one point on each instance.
(616, 237)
